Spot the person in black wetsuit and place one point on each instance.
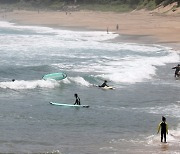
(176, 73)
(77, 101)
(104, 84)
(164, 129)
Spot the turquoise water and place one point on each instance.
(123, 120)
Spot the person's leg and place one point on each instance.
(175, 75)
(165, 137)
(161, 136)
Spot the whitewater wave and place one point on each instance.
(172, 110)
(86, 52)
(136, 69)
(130, 68)
(21, 84)
(77, 36)
(80, 81)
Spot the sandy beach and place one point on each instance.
(136, 26)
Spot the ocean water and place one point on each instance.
(118, 121)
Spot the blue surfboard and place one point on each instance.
(55, 76)
(68, 105)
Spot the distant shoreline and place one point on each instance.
(134, 27)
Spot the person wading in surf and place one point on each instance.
(164, 129)
(176, 73)
(77, 101)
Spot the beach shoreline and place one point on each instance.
(133, 27)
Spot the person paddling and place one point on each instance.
(164, 129)
(104, 84)
(77, 101)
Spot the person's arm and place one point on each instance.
(159, 126)
(75, 102)
(166, 128)
(174, 67)
(106, 85)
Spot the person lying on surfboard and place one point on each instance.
(104, 84)
(77, 101)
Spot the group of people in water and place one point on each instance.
(163, 126)
(77, 99)
(176, 74)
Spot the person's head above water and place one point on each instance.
(163, 119)
(13, 80)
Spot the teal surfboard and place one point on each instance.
(68, 105)
(55, 76)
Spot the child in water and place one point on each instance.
(164, 129)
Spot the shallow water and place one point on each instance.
(123, 120)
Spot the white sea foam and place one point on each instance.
(21, 84)
(84, 52)
(65, 81)
(133, 69)
(68, 35)
(175, 134)
(172, 110)
(79, 81)
(172, 138)
(130, 69)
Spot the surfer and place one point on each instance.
(104, 84)
(176, 73)
(77, 101)
(13, 80)
(164, 129)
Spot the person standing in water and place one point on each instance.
(164, 129)
(77, 101)
(176, 73)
